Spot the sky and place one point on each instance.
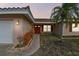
(39, 10)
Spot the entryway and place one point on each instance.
(37, 29)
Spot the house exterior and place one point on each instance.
(16, 22)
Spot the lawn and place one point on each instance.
(53, 46)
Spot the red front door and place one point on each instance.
(37, 29)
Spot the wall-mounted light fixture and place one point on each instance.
(17, 22)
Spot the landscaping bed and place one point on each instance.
(53, 46)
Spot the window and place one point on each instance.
(47, 28)
(75, 29)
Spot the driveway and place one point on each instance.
(3, 49)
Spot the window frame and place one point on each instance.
(73, 27)
(47, 29)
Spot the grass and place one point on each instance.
(52, 46)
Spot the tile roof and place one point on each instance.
(18, 10)
(14, 8)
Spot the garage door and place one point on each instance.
(6, 29)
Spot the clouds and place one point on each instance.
(39, 10)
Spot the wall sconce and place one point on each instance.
(17, 22)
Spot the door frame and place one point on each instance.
(38, 31)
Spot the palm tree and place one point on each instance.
(68, 12)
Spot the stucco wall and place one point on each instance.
(27, 27)
(18, 31)
(57, 29)
(66, 31)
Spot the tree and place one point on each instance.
(68, 12)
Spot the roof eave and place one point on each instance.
(25, 10)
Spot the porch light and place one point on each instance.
(17, 22)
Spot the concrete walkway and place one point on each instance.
(34, 46)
